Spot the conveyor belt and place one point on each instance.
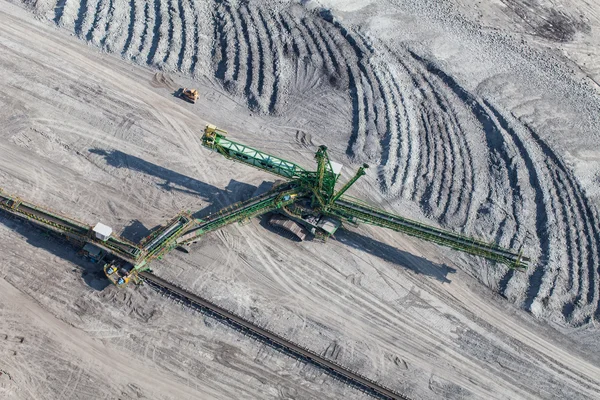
(365, 213)
(69, 227)
(246, 209)
(272, 339)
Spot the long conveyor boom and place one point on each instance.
(162, 240)
(250, 208)
(214, 140)
(354, 211)
(68, 227)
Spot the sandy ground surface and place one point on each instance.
(470, 118)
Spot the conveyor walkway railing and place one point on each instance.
(262, 204)
(72, 229)
(345, 208)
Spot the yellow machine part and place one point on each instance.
(190, 94)
(211, 130)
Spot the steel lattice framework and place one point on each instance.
(308, 197)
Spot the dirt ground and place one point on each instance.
(481, 118)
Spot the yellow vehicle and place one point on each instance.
(118, 272)
(190, 95)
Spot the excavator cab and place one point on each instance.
(190, 95)
(210, 133)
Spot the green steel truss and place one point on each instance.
(253, 157)
(316, 188)
(352, 211)
(242, 211)
(320, 186)
(166, 239)
(344, 189)
(320, 183)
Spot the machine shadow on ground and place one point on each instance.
(393, 255)
(374, 247)
(91, 273)
(136, 231)
(174, 181)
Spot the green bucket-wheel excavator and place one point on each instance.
(305, 202)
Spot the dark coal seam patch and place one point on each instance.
(184, 25)
(109, 17)
(132, 10)
(261, 57)
(219, 37)
(59, 10)
(170, 14)
(144, 35)
(155, 32)
(90, 33)
(274, 51)
(252, 103)
(83, 4)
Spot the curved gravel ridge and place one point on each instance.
(425, 132)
